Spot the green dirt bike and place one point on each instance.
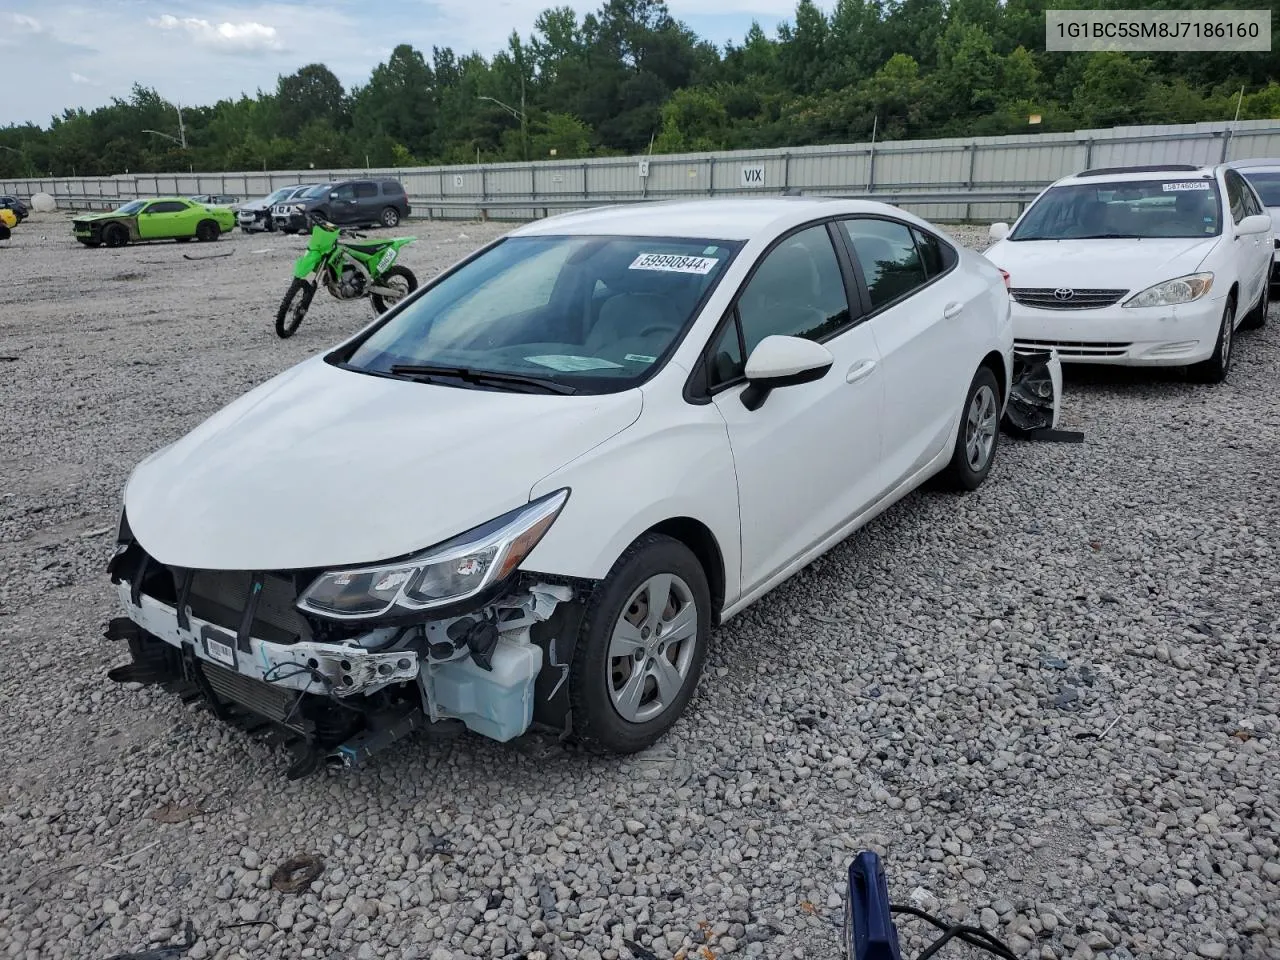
(349, 271)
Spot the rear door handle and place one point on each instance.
(951, 309)
(859, 371)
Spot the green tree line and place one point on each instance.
(630, 78)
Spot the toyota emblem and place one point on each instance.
(1063, 293)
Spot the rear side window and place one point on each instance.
(392, 188)
(890, 261)
(366, 190)
(937, 255)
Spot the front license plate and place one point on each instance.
(224, 653)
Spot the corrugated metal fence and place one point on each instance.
(982, 178)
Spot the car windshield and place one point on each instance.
(1267, 183)
(1145, 209)
(280, 194)
(132, 207)
(312, 192)
(582, 313)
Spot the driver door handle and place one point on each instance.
(952, 309)
(859, 371)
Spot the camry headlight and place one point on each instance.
(448, 573)
(1170, 292)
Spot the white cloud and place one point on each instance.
(239, 37)
(81, 78)
(25, 23)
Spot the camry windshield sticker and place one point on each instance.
(571, 364)
(1186, 185)
(673, 263)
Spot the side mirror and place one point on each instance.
(779, 361)
(333, 196)
(998, 231)
(1254, 225)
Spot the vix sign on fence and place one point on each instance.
(753, 175)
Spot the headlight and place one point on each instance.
(449, 573)
(1170, 292)
(297, 208)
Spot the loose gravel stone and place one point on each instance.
(1052, 705)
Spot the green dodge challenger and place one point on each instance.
(164, 218)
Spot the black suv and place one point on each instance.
(17, 206)
(347, 202)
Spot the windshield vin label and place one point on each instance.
(673, 263)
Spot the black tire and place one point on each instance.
(1216, 368)
(972, 457)
(5, 232)
(381, 305)
(115, 235)
(207, 231)
(1256, 318)
(290, 314)
(594, 672)
(390, 217)
(92, 243)
(183, 239)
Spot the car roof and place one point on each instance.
(1255, 163)
(1139, 173)
(724, 218)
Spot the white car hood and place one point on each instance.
(327, 467)
(1099, 264)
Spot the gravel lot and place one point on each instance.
(1053, 705)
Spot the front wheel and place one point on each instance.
(1216, 368)
(641, 647)
(396, 278)
(979, 433)
(294, 307)
(115, 235)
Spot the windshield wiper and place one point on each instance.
(1110, 236)
(487, 377)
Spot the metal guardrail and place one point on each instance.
(426, 207)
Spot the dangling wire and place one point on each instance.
(973, 936)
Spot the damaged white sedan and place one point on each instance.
(526, 494)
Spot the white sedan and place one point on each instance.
(1143, 266)
(528, 492)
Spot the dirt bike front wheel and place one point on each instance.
(294, 307)
(398, 278)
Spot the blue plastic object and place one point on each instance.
(868, 926)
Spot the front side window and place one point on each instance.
(796, 291)
(167, 206)
(592, 313)
(344, 192)
(1146, 209)
(890, 261)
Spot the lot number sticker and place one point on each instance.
(1186, 185)
(671, 263)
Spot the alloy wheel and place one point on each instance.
(981, 424)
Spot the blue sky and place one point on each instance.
(56, 54)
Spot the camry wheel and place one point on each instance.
(979, 433)
(1257, 317)
(642, 645)
(1216, 368)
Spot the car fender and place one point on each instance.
(668, 464)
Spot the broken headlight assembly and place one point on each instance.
(1172, 292)
(452, 572)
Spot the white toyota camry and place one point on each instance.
(527, 493)
(1144, 266)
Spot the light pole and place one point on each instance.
(518, 114)
(181, 139)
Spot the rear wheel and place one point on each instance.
(1216, 368)
(390, 217)
(115, 235)
(207, 230)
(979, 433)
(643, 641)
(1257, 317)
(294, 307)
(396, 278)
